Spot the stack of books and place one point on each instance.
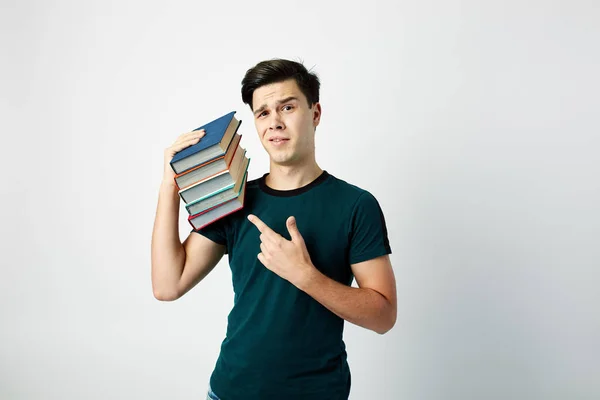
(211, 175)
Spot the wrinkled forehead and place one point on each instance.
(276, 92)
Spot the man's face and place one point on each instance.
(284, 122)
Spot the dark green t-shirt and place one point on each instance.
(280, 342)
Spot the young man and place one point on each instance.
(294, 249)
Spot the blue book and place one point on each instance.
(214, 144)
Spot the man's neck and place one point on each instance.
(292, 177)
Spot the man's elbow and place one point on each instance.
(382, 330)
(165, 295)
(388, 322)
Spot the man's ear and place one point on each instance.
(316, 114)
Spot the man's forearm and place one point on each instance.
(362, 306)
(168, 254)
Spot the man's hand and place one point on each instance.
(185, 140)
(287, 258)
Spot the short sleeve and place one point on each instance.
(368, 230)
(217, 232)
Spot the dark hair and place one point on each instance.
(278, 70)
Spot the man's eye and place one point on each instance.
(290, 107)
(261, 114)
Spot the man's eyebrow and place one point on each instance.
(290, 98)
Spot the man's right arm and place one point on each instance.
(177, 267)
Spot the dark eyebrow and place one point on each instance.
(290, 98)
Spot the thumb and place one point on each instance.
(293, 229)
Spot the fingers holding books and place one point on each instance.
(183, 141)
(186, 140)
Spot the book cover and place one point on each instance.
(214, 132)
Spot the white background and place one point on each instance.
(475, 124)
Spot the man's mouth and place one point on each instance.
(278, 140)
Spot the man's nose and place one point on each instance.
(276, 122)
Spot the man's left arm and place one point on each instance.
(372, 305)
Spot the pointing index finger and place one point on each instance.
(262, 227)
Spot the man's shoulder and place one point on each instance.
(344, 188)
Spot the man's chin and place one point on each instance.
(283, 161)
